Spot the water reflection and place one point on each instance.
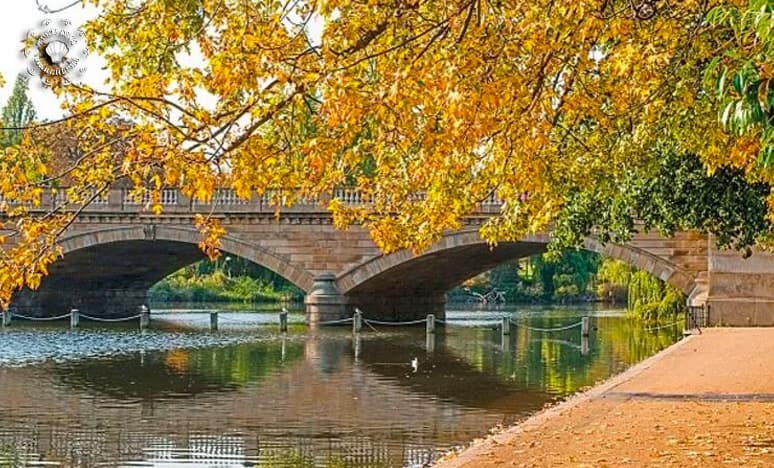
(246, 397)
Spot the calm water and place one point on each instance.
(179, 395)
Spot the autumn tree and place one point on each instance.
(18, 112)
(425, 107)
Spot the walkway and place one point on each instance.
(706, 401)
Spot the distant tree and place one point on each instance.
(17, 113)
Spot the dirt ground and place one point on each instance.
(706, 401)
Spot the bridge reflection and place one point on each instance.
(245, 404)
(307, 399)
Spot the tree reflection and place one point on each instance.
(179, 373)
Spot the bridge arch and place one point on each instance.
(461, 255)
(109, 271)
(230, 244)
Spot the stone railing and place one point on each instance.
(223, 201)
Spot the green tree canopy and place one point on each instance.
(18, 113)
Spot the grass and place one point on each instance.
(217, 287)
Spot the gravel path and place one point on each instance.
(706, 401)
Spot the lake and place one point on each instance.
(178, 394)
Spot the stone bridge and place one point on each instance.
(116, 250)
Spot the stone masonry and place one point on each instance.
(116, 251)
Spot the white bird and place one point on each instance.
(415, 364)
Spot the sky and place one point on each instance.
(16, 19)
(21, 16)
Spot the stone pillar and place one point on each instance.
(741, 290)
(324, 302)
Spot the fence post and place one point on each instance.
(430, 333)
(6, 318)
(506, 326)
(74, 318)
(144, 317)
(356, 344)
(357, 321)
(585, 326)
(213, 321)
(283, 317)
(584, 345)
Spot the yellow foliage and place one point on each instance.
(427, 108)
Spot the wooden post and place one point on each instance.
(213, 321)
(357, 321)
(506, 325)
(144, 317)
(585, 326)
(430, 333)
(356, 343)
(283, 317)
(7, 318)
(74, 318)
(584, 345)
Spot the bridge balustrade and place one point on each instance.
(174, 201)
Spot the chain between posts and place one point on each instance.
(663, 326)
(107, 320)
(538, 329)
(336, 322)
(40, 319)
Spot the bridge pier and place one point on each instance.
(325, 302)
(741, 290)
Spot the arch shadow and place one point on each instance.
(109, 271)
(462, 255)
(229, 244)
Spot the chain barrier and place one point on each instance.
(395, 324)
(221, 318)
(663, 326)
(556, 329)
(461, 323)
(371, 326)
(107, 320)
(336, 322)
(40, 319)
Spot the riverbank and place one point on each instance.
(706, 401)
(219, 287)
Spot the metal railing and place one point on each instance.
(697, 317)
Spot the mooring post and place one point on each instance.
(284, 320)
(357, 321)
(430, 333)
(584, 345)
(357, 345)
(430, 342)
(585, 326)
(213, 321)
(75, 317)
(506, 325)
(144, 317)
(6, 318)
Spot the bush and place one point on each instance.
(652, 300)
(217, 287)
